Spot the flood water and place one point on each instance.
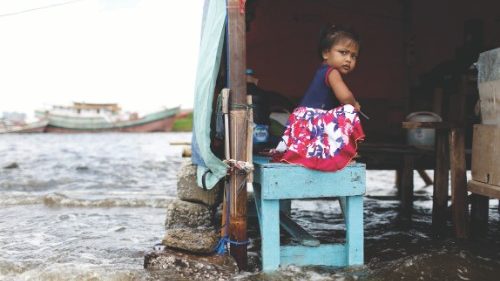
(90, 206)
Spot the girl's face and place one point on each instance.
(342, 56)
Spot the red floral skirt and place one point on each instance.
(324, 140)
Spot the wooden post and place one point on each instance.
(397, 181)
(479, 214)
(437, 101)
(457, 164)
(238, 129)
(407, 186)
(440, 194)
(458, 182)
(407, 25)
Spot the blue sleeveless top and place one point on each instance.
(320, 94)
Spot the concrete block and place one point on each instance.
(197, 241)
(183, 214)
(188, 190)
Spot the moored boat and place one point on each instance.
(90, 117)
(34, 127)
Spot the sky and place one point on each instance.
(141, 54)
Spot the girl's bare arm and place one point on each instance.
(342, 93)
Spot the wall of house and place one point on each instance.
(439, 28)
(282, 41)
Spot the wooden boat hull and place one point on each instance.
(37, 127)
(162, 121)
(164, 125)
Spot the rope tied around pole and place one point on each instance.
(224, 241)
(235, 168)
(242, 106)
(243, 166)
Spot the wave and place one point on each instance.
(61, 200)
(11, 271)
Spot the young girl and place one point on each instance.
(322, 133)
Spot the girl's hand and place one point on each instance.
(357, 106)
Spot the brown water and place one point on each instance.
(88, 207)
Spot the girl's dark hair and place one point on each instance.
(333, 34)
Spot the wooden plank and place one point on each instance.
(425, 177)
(428, 125)
(486, 154)
(460, 208)
(441, 173)
(277, 183)
(297, 232)
(489, 94)
(480, 188)
(327, 255)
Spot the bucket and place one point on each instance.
(420, 136)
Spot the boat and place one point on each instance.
(33, 127)
(104, 117)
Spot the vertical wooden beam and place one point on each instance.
(440, 194)
(460, 207)
(479, 214)
(397, 181)
(238, 129)
(409, 56)
(437, 101)
(407, 185)
(458, 182)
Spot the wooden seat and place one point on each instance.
(278, 181)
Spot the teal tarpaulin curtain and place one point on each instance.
(210, 168)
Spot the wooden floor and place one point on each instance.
(387, 156)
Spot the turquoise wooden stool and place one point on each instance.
(278, 181)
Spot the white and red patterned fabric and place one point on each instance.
(318, 139)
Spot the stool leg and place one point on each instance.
(354, 230)
(270, 233)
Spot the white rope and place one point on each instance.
(240, 165)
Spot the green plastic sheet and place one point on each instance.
(210, 168)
